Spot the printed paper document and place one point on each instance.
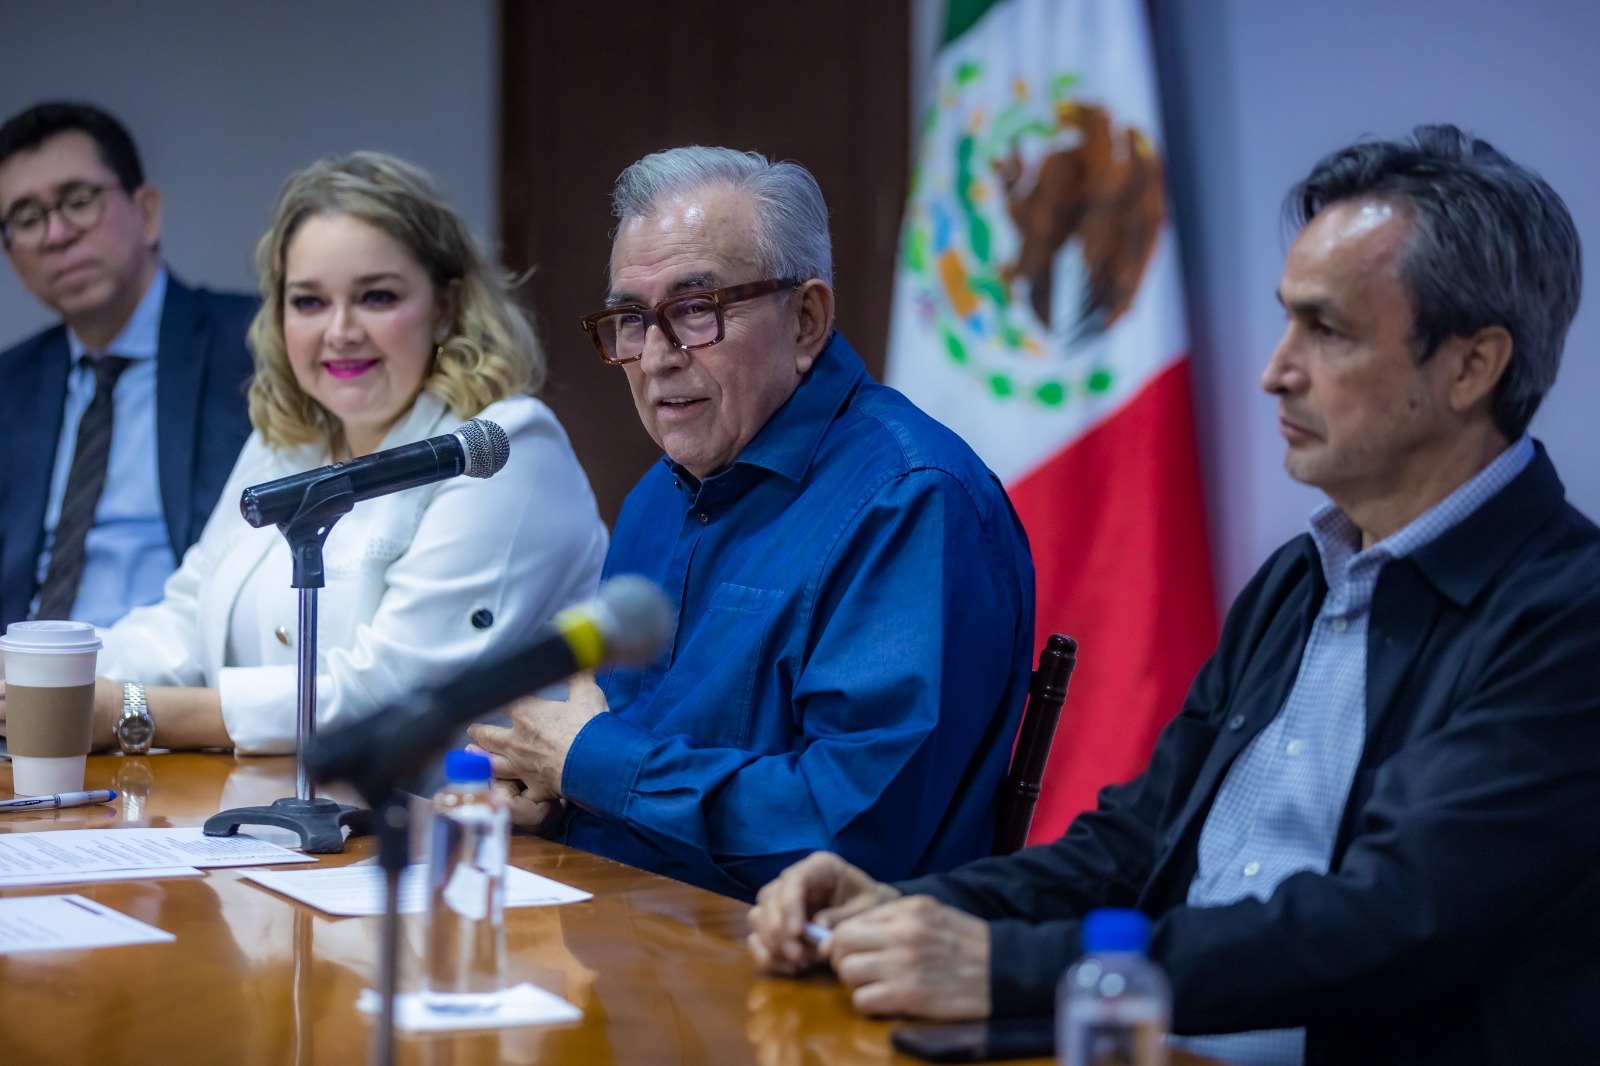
(524, 1004)
(357, 891)
(42, 858)
(68, 923)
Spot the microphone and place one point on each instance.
(630, 621)
(478, 448)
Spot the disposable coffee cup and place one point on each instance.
(49, 670)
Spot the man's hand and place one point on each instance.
(820, 888)
(530, 811)
(534, 749)
(914, 957)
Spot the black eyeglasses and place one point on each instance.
(690, 321)
(80, 206)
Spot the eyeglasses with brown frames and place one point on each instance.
(692, 320)
(80, 206)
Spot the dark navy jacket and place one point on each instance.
(202, 368)
(1459, 922)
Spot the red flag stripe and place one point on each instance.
(1117, 526)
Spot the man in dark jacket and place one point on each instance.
(119, 425)
(1373, 833)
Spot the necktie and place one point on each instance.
(85, 481)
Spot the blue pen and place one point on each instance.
(60, 799)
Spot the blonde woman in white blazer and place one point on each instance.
(381, 324)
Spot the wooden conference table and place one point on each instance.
(658, 968)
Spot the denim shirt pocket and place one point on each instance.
(710, 690)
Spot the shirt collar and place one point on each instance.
(1338, 539)
(141, 335)
(789, 440)
(427, 412)
(1461, 561)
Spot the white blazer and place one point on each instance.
(420, 584)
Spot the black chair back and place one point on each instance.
(1019, 792)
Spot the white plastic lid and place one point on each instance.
(50, 638)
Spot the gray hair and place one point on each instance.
(1492, 245)
(791, 234)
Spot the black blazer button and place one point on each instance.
(482, 618)
(1236, 723)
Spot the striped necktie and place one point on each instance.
(85, 481)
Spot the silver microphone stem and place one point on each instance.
(306, 694)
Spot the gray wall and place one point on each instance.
(227, 97)
(1255, 92)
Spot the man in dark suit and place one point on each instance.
(118, 426)
(1373, 833)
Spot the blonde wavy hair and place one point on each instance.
(491, 353)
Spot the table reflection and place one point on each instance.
(133, 780)
(658, 968)
(797, 1023)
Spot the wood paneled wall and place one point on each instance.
(587, 88)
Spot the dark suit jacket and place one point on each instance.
(202, 368)
(1460, 919)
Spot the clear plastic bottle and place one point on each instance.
(464, 965)
(1114, 1006)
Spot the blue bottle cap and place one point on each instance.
(461, 767)
(1111, 929)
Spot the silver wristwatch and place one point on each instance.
(135, 729)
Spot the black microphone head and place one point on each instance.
(485, 446)
(635, 619)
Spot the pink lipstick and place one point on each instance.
(348, 368)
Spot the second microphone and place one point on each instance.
(478, 448)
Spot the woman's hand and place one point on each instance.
(186, 719)
(107, 709)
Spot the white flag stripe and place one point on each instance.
(1022, 389)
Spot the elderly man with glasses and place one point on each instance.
(122, 422)
(855, 594)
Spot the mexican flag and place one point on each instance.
(1038, 312)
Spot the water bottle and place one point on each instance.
(464, 964)
(1113, 1007)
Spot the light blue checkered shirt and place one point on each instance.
(1279, 808)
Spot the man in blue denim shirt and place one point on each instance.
(854, 592)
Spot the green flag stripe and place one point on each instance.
(959, 16)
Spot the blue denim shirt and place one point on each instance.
(855, 603)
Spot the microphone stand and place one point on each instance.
(317, 821)
(394, 846)
(376, 772)
(376, 754)
(391, 810)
